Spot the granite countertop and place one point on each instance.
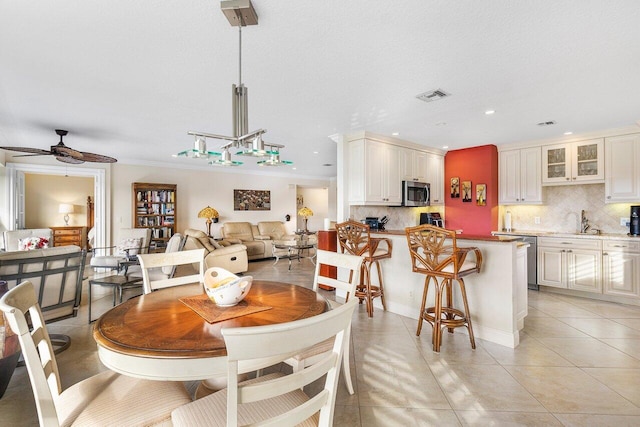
(485, 238)
(602, 236)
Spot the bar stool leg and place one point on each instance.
(437, 316)
(423, 307)
(449, 315)
(368, 295)
(379, 269)
(467, 315)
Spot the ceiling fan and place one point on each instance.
(63, 153)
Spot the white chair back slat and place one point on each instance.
(170, 259)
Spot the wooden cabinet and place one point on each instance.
(621, 268)
(413, 165)
(65, 236)
(570, 263)
(154, 206)
(622, 169)
(520, 176)
(374, 173)
(435, 177)
(579, 162)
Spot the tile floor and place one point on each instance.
(578, 364)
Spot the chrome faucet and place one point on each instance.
(584, 223)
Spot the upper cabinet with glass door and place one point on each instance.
(579, 162)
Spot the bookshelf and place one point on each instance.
(154, 207)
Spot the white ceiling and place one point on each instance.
(129, 78)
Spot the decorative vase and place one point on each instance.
(9, 347)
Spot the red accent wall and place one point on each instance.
(480, 166)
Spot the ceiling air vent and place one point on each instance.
(549, 123)
(433, 95)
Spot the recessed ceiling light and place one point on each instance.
(315, 152)
(489, 112)
(568, 133)
(395, 133)
(444, 147)
(294, 168)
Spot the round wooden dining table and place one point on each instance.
(158, 337)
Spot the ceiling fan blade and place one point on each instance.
(63, 150)
(70, 160)
(27, 150)
(97, 158)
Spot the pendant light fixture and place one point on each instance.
(240, 13)
(199, 150)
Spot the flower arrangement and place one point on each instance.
(31, 243)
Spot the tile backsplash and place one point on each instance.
(399, 217)
(560, 212)
(562, 207)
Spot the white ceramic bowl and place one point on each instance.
(225, 288)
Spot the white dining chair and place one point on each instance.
(352, 264)
(107, 398)
(168, 261)
(275, 399)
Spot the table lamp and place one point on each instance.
(211, 215)
(66, 209)
(305, 213)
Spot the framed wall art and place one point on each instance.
(466, 191)
(455, 187)
(481, 194)
(251, 200)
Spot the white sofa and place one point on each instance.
(11, 238)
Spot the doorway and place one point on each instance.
(16, 190)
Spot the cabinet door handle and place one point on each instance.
(574, 178)
(605, 254)
(568, 179)
(569, 251)
(608, 197)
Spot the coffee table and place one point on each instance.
(118, 282)
(294, 250)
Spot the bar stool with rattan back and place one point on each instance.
(355, 239)
(434, 252)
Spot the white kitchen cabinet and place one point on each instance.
(413, 165)
(374, 173)
(520, 176)
(622, 169)
(435, 177)
(621, 268)
(570, 263)
(579, 162)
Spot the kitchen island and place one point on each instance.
(497, 295)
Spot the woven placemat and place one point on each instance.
(212, 313)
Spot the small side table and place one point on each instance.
(294, 250)
(118, 282)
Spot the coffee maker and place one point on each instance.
(634, 224)
(432, 218)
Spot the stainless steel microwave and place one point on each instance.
(415, 193)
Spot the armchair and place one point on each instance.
(133, 241)
(225, 254)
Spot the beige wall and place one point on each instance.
(317, 200)
(44, 193)
(198, 188)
